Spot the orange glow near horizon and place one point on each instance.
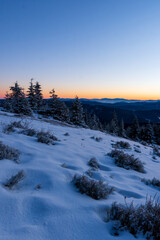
(98, 95)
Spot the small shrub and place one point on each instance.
(93, 163)
(66, 134)
(94, 189)
(122, 144)
(7, 152)
(17, 124)
(38, 187)
(126, 161)
(93, 137)
(154, 182)
(29, 132)
(89, 172)
(64, 165)
(141, 219)
(156, 151)
(8, 129)
(137, 146)
(14, 180)
(46, 137)
(98, 139)
(137, 150)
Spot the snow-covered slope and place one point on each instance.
(57, 210)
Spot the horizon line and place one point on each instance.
(116, 98)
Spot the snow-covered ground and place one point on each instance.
(57, 210)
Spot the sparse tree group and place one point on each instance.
(32, 102)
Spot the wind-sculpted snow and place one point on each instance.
(45, 204)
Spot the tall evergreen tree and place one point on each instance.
(8, 102)
(58, 108)
(156, 130)
(114, 126)
(77, 115)
(147, 133)
(54, 101)
(92, 121)
(38, 96)
(19, 103)
(134, 130)
(31, 95)
(122, 132)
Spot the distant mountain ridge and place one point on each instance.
(111, 100)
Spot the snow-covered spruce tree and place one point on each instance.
(53, 100)
(62, 112)
(59, 108)
(19, 103)
(114, 126)
(147, 133)
(95, 123)
(77, 115)
(134, 130)
(31, 95)
(156, 129)
(122, 132)
(38, 96)
(8, 102)
(92, 121)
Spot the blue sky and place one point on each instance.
(92, 48)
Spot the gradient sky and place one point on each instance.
(92, 48)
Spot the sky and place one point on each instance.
(89, 48)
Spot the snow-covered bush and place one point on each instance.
(66, 134)
(154, 182)
(137, 219)
(138, 150)
(9, 128)
(93, 137)
(14, 180)
(7, 152)
(98, 139)
(94, 189)
(46, 137)
(156, 151)
(93, 163)
(122, 144)
(126, 161)
(29, 132)
(15, 124)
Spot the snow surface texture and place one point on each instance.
(46, 204)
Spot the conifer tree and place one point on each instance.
(92, 121)
(54, 101)
(156, 130)
(8, 102)
(77, 116)
(62, 112)
(31, 95)
(147, 133)
(19, 103)
(134, 129)
(114, 127)
(38, 96)
(58, 108)
(122, 132)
